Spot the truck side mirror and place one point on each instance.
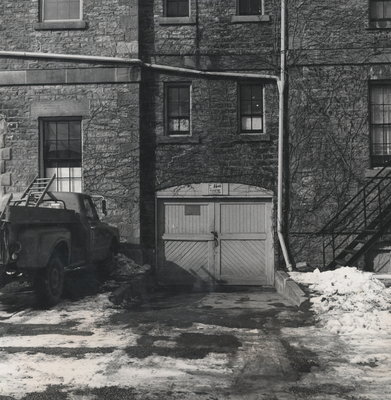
(104, 207)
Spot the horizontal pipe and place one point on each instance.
(215, 74)
(69, 57)
(134, 61)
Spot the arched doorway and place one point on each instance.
(215, 234)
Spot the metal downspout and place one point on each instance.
(281, 91)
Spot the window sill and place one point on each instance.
(379, 25)
(60, 25)
(245, 137)
(177, 21)
(250, 18)
(178, 140)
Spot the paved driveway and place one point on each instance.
(246, 344)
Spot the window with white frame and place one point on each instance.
(250, 7)
(178, 108)
(380, 10)
(61, 10)
(176, 8)
(61, 152)
(251, 108)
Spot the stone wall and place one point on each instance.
(215, 152)
(110, 142)
(212, 39)
(111, 29)
(334, 54)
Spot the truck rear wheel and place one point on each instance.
(49, 283)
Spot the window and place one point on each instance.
(90, 210)
(61, 152)
(380, 124)
(176, 8)
(250, 7)
(60, 10)
(178, 109)
(380, 10)
(251, 108)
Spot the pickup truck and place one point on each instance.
(41, 243)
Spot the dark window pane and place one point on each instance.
(74, 129)
(62, 131)
(177, 8)
(184, 109)
(173, 110)
(74, 149)
(245, 92)
(173, 94)
(183, 9)
(256, 108)
(51, 131)
(250, 7)
(380, 9)
(184, 94)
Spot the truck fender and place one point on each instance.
(38, 245)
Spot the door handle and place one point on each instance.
(215, 237)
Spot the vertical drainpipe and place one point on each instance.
(281, 89)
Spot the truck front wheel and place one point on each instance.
(49, 282)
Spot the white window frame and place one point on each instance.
(42, 3)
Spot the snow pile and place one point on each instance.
(127, 268)
(348, 300)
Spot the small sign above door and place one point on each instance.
(215, 188)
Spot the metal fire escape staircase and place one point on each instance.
(359, 224)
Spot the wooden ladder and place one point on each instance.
(36, 191)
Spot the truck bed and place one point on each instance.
(39, 215)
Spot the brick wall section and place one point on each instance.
(110, 143)
(219, 153)
(112, 30)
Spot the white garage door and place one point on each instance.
(228, 242)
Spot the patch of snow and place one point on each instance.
(23, 373)
(89, 316)
(348, 301)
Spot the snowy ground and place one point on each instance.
(356, 307)
(348, 301)
(247, 345)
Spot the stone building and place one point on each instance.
(188, 162)
(339, 116)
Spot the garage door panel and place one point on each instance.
(215, 240)
(242, 261)
(189, 218)
(191, 257)
(242, 218)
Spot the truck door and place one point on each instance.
(98, 235)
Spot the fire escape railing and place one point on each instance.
(359, 222)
